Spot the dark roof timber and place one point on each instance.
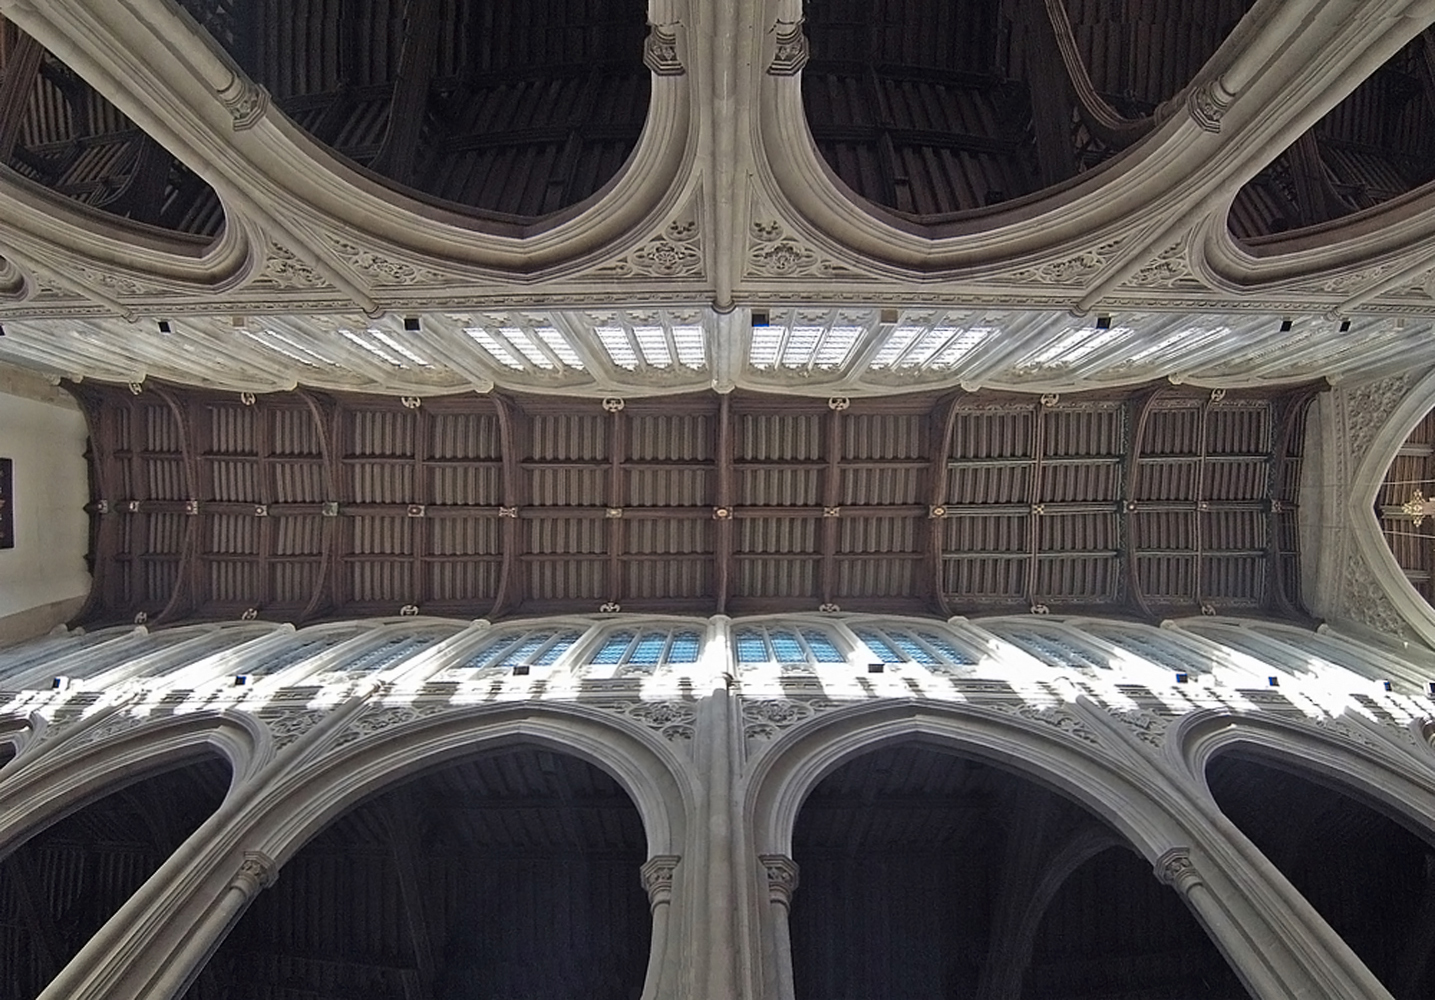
(306, 506)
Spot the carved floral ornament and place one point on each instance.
(676, 252)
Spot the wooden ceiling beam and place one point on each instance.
(617, 493)
(725, 567)
(941, 425)
(325, 415)
(1138, 417)
(511, 422)
(398, 152)
(189, 562)
(831, 500)
(22, 67)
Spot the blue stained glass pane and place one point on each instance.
(565, 641)
(750, 647)
(787, 648)
(914, 649)
(949, 652)
(649, 649)
(822, 648)
(302, 650)
(874, 642)
(613, 648)
(386, 655)
(523, 652)
(685, 647)
(1161, 652)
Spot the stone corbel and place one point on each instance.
(1209, 103)
(246, 102)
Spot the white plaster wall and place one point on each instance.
(45, 437)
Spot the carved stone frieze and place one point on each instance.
(673, 719)
(287, 725)
(1146, 726)
(1347, 282)
(1050, 715)
(764, 719)
(283, 268)
(120, 722)
(379, 718)
(1363, 598)
(1346, 731)
(1368, 408)
(774, 253)
(676, 252)
(1171, 268)
(380, 269)
(1074, 270)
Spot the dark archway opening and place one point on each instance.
(932, 107)
(513, 874)
(514, 107)
(1368, 876)
(930, 876)
(59, 887)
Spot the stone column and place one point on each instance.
(781, 884)
(657, 878)
(257, 871)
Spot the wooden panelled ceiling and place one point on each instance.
(305, 506)
(1376, 144)
(1410, 534)
(512, 107)
(931, 107)
(57, 130)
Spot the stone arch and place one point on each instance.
(43, 787)
(297, 802)
(1353, 866)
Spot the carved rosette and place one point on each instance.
(781, 877)
(1175, 868)
(257, 871)
(657, 878)
(676, 252)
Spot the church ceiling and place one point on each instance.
(1406, 495)
(1152, 503)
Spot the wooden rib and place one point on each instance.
(398, 153)
(940, 433)
(617, 495)
(22, 66)
(513, 495)
(726, 495)
(327, 427)
(1139, 416)
(831, 497)
(189, 561)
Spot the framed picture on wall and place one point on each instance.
(7, 504)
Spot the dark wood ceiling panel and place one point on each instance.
(1375, 145)
(58, 131)
(514, 107)
(1150, 503)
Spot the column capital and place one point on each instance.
(1175, 868)
(257, 871)
(657, 877)
(781, 877)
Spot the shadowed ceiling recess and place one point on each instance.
(303, 506)
(512, 107)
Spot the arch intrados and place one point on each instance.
(18, 826)
(310, 799)
(73, 781)
(1401, 797)
(784, 779)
